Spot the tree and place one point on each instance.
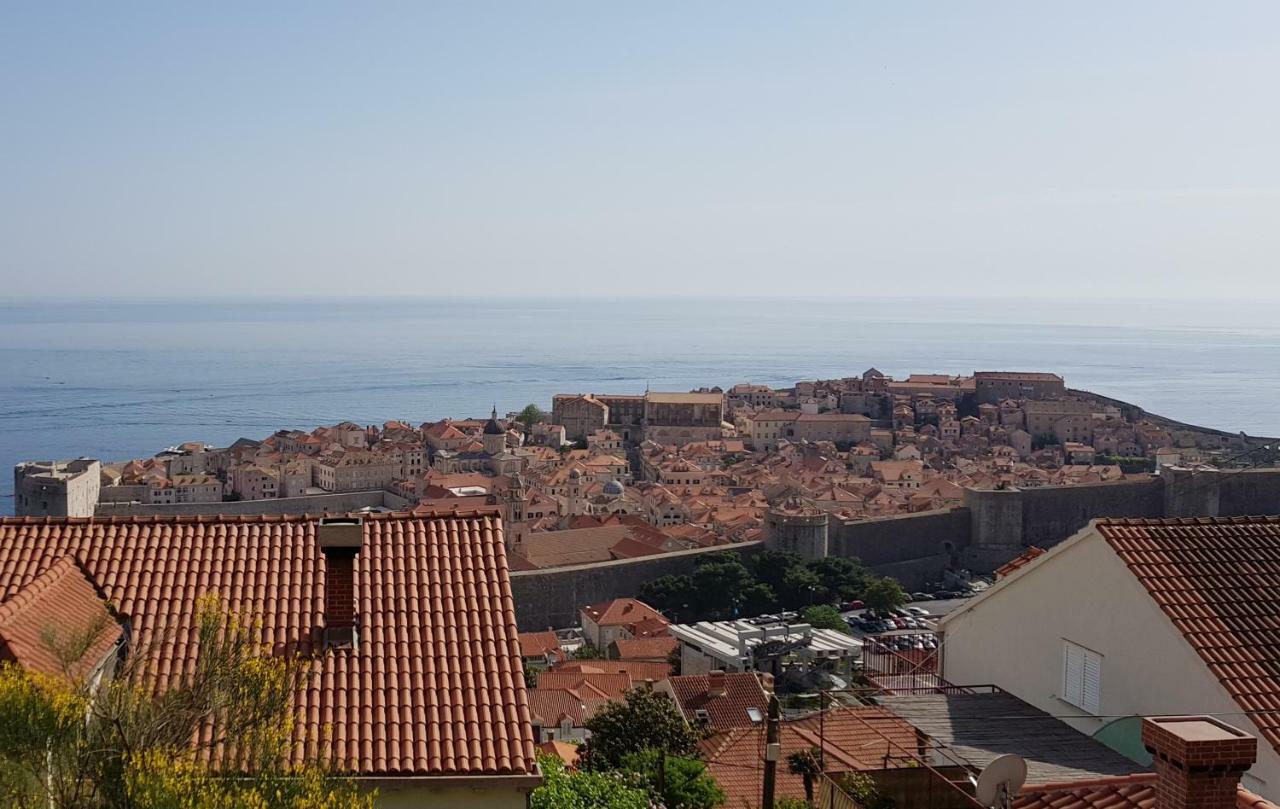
(670, 594)
(588, 652)
(804, 763)
(673, 781)
(884, 594)
(644, 720)
(718, 586)
(771, 566)
(800, 587)
(758, 599)
(841, 578)
(531, 415)
(562, 789)
(824, 616)
(67, 741)
(862, 788)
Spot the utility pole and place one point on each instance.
(772, 751)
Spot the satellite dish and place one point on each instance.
(1000, 780)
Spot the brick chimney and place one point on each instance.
(715, 683)
(1198, 760)
(340, 539)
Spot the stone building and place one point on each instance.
(580, 415)
(57, 488)
(992, 386)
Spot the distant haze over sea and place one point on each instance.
(116, 380)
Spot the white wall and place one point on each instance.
(1082, 592)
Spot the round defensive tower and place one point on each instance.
(794, 527)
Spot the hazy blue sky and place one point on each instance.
(1083, 150)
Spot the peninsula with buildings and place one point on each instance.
(606, 476)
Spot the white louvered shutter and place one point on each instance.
(1081, 677)
(1072, 673)
(1091, 691)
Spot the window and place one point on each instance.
(1081, 677)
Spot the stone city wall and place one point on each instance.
(339, 503)
(552, 598)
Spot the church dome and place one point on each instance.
(492, 427)
(613, 488)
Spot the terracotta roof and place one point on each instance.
(855, 739)
(742, 690)
(434, 685)
(59, 606)
(638, 670)
(548, 705)
(538, 644)
(621, 612)
(566, 752)
(645, 648)
(1021, 560)
(1218, 580)
(1124, 792)
(574, 546)
(611, 686)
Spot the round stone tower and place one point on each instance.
(795, 527)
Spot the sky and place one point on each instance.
(1090, 151)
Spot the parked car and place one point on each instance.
(921, 597)
(853, 605)
(918, 611)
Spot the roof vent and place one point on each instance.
(701, 715)
(340, 539)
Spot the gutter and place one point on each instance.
(526, 781)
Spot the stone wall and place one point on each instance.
(992, 528)
(1248, 493)
(894, 540)
(310, 504)
(552, 598)
(1053, 513)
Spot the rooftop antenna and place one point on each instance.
(1000, 780)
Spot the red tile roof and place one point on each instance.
(646, 648)
(434, 685)
(1122, 792)
(1020, 561)
(621, 612)
(58, 607)
(538, 644)
(1218, 580)
(612, 686)
(742, 690)
(856, 739)
(549, 705)
(639, 670)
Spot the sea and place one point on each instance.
(124, 379)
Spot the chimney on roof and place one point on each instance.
(1198, 760)
(340, 539)
(715, 683)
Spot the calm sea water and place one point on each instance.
(121, 380)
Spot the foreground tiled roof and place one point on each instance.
(1124, 792)
(1218, 580)
(56, 609)
(435, 683)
